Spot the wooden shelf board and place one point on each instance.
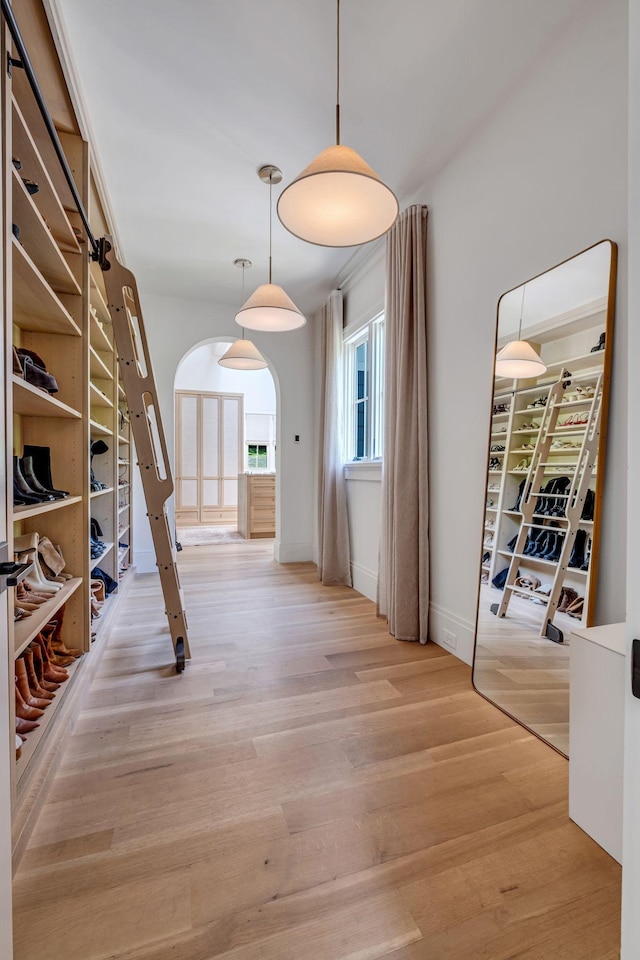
(38, 241)
(35, 738)
(98, 301)
(122, 532)
(96, 563)
(122, 439)
(97, 397)
(98, 367)
(29, 401)
(25, 630)
(48, 202)
(95, 427)
(100, 493)
(35, 305)
(23, 513)
(122, 509)
(121, 391)
(98, 337)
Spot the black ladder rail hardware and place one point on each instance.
(149, 437)
(146, 426)
(581, 473)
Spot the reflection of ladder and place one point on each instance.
(146, 426)
(542, 469)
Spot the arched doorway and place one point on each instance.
(225, 448)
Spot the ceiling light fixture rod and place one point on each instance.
(524, 287)
(270, 221)
(244, 263)
(338, 74)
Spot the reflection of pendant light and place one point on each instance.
(518, 360)
(243, 354)
(338, 200)
(269, 308)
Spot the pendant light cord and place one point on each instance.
(524, 288)
(338, 75)
(242, 301)
(270, 221)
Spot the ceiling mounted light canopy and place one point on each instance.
(243, 354)
(518, 360)
(338, 200)
(269, 308)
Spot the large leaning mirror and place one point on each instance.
(541, 527)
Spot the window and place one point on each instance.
(257, 456)
(260, 441)
(364, 383)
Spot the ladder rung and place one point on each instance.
(529, 593)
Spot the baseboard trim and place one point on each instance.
(364, 581)
(293, 552)
(441, 619)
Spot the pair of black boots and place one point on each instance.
(32, 483)
(547, 545)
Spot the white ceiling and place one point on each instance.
(187, 98)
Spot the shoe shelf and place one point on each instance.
(97, 367)
(99, 303)
(33, 167)
(100, 493)
(97, 397)
(36, 306)
(39, 243)
(99, 339)
(95, 427)
(36, 738)
(29, 401)
(123, 440)
(25, 630)
(108, 547)
(23, 513)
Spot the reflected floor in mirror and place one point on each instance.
(525, 674)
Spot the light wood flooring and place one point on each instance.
(308, 788)
(526, 674)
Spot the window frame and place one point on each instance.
(373, 334)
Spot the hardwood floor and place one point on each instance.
(309, 787)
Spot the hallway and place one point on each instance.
(309, 787)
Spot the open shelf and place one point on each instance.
(29, 401)
(98, 301)
(97, 398)
(99, 339)
(38, 242)
(95, 427)
(25, 630)
(33, 167)
(23, 513)
(122, 439)
(35, 738)
(100, 493)
(97, 366)
(35, 305)
(108, 547)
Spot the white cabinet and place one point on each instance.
(597, 685)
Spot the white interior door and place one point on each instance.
(209, 456)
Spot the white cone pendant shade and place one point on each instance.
(519, 361)
(270, 309)
(243, 355)
(338, 201)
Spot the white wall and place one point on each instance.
(631, 821)
(544, 178)
(173, 328)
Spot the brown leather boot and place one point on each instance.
(52, 672)
(23, 592)
(22, 683)
(40, 666)
(25, 726)
(566, 599)
(32, 677)
(57, 642)
(25, 712)
(57, 659)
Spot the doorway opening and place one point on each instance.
(225, 449)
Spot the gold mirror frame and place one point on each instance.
(600, 442)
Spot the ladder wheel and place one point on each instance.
(180, 661)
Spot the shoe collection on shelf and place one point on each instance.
(541, 489)
(66, 410)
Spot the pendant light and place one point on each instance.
(338, 200)
(243, 354)
(518, 360)
(269, 308)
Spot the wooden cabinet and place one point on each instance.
(256, 505)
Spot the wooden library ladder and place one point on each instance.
(148, 434)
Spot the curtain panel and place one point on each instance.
(403, 582)
(334, 555)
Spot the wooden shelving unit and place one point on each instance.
(57, 308)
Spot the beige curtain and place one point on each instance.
(334, 558)
(403, 582)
